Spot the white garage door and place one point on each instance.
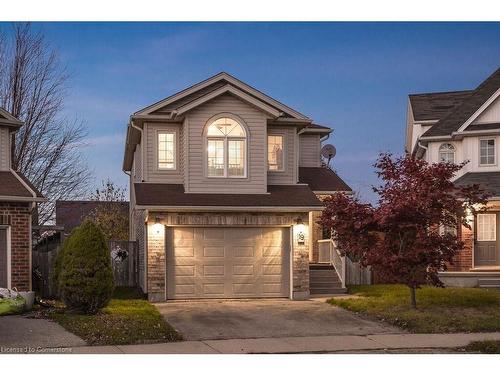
(228, 263)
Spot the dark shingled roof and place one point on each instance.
(489, 181)
(70, 214)
(148, 194)
(10, 186)
(466, 109)
(435, 106)
(490, 126)
(322, 179)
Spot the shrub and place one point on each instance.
(83, 270)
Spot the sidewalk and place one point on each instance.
(316, 344)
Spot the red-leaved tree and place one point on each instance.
(402, 236)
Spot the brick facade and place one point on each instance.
(19, 218)
(156, 244)
(463, 260)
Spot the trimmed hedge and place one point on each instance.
(84, 276)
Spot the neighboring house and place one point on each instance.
(224, 187)
(18, 199)
(463, 126)
(70, 214)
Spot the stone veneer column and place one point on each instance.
(301, 263)
(156, 271)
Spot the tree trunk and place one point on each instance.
(413, 297)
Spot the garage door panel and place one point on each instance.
(213, 252)
(182, 251)
(228, 263)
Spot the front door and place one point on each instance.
(487, 240)
(3, 258)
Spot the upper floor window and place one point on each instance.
(447, 153)
(275, 152)
(166, 150)
(226, 148)
(487, 151)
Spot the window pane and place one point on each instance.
(225, 127)
(486, 227)
(447, 153)
(215, 157)
(236, 155)
(487, 151)
(166, 150)
(275, 152)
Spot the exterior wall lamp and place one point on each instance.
(157, 227)
(300, 231)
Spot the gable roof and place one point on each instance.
(469, 106)
(16, 187)
(7, 119)
(436, 105)
(170, 104)
(488, 181)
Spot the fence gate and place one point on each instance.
(124, 259)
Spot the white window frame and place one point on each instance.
(226, 140)
(494, 151)
(479, 237)
(157, 150)
(447, 151)
(282, 169)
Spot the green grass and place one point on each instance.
(128, 319)
(486, 347)
(439, 310)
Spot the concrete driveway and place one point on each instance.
(22, 334)
(230, 319)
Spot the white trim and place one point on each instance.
(283, 149)
(229, 208)
(9, 254)
(211, 80)
(331, 192)
(480, 110)
(24, 183)
(231, 89)
(292, 249)
(156, 148)
(494, 151)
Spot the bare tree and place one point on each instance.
(33, 88)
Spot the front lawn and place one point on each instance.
(439, 310)
(128, 319)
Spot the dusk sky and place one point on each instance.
(353, 77)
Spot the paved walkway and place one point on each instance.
(316, 344)
(19, 332)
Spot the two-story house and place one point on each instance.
(18, 199)
(463, 126)
(224, 193)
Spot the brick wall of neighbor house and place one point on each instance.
(19, 218)
(463, 260)
(140, 235)
(156, 255)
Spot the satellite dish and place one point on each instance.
(328, 152)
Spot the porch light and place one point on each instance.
(157, 227)
(300, 231)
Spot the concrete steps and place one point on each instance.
(323, 280)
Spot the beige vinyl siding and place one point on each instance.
(288, 175)
(137, 164)
(255, 121)
(310, 146)
(153, 174)
(4, 149)
(490, 114)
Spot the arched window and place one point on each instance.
(226, 148)
(447, 153)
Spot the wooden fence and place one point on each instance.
(124, 260)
